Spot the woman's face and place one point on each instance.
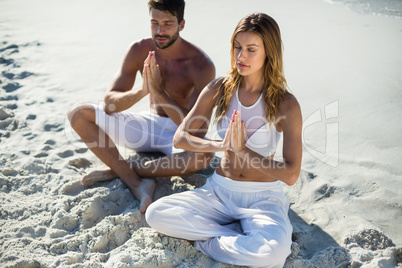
(249, 53)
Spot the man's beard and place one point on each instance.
(170, 41)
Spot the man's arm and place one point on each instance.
(202, 73)
(121, 96)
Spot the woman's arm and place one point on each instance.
(291, 124)
(189, 135)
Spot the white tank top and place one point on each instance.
(261, 138)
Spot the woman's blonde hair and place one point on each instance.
(274, 80)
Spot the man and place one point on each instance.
(176, 72)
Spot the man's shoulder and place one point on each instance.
(138, 51)
(198, 58)
(143, 45)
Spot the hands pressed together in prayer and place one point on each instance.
(152, 79)
(236, 134)
(152, 83)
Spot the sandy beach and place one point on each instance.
(343, 66)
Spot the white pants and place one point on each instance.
(236, 222)
(141, 132)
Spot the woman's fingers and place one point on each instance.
(238, 133)
(233, 115)
(238, 127)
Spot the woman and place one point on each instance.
(240, 216)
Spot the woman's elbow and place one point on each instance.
(292, 177)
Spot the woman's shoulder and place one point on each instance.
(289, 107)
(216, 83)
(289, 102)
(211, 91)
(289, 113)
(213, 86)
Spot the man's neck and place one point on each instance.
(173, 51)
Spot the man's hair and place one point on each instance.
(175, 7)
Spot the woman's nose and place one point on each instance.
(240, 55)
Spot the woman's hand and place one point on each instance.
(238, 133)
(226, 141)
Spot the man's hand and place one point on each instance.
(152, 74)
(145, 88)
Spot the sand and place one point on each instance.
(343, 66)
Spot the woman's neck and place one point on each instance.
(252, 83)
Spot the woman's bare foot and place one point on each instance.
(98, 176)
(144, 193)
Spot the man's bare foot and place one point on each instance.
(98, 176)
(144, 193)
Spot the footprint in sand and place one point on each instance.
(5, 61)
(7, 121)
(8, 75)
(11, 87)
(29, 135)
(57, 127)
(66, 154)
(12, 106)
(80, 163)
(4, 134)
(13, 76)
(26, 231)
(26, 152)
(40, 155)
(311, 176)
(24, 75)
(103, 205)
(324, 191)
(47, 148)
(50, 142)
(12, 47)
(4, 124)
(31, 117)
(9, 97)
(5, 114)
(81, 150)
(73, 188)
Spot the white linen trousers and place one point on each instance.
(236, 222)
(142, 132)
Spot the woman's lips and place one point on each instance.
(241, 65)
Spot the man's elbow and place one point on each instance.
(177, 140)
(108, 105)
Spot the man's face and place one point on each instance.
(164, 27)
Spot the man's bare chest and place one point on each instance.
(177, 79)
